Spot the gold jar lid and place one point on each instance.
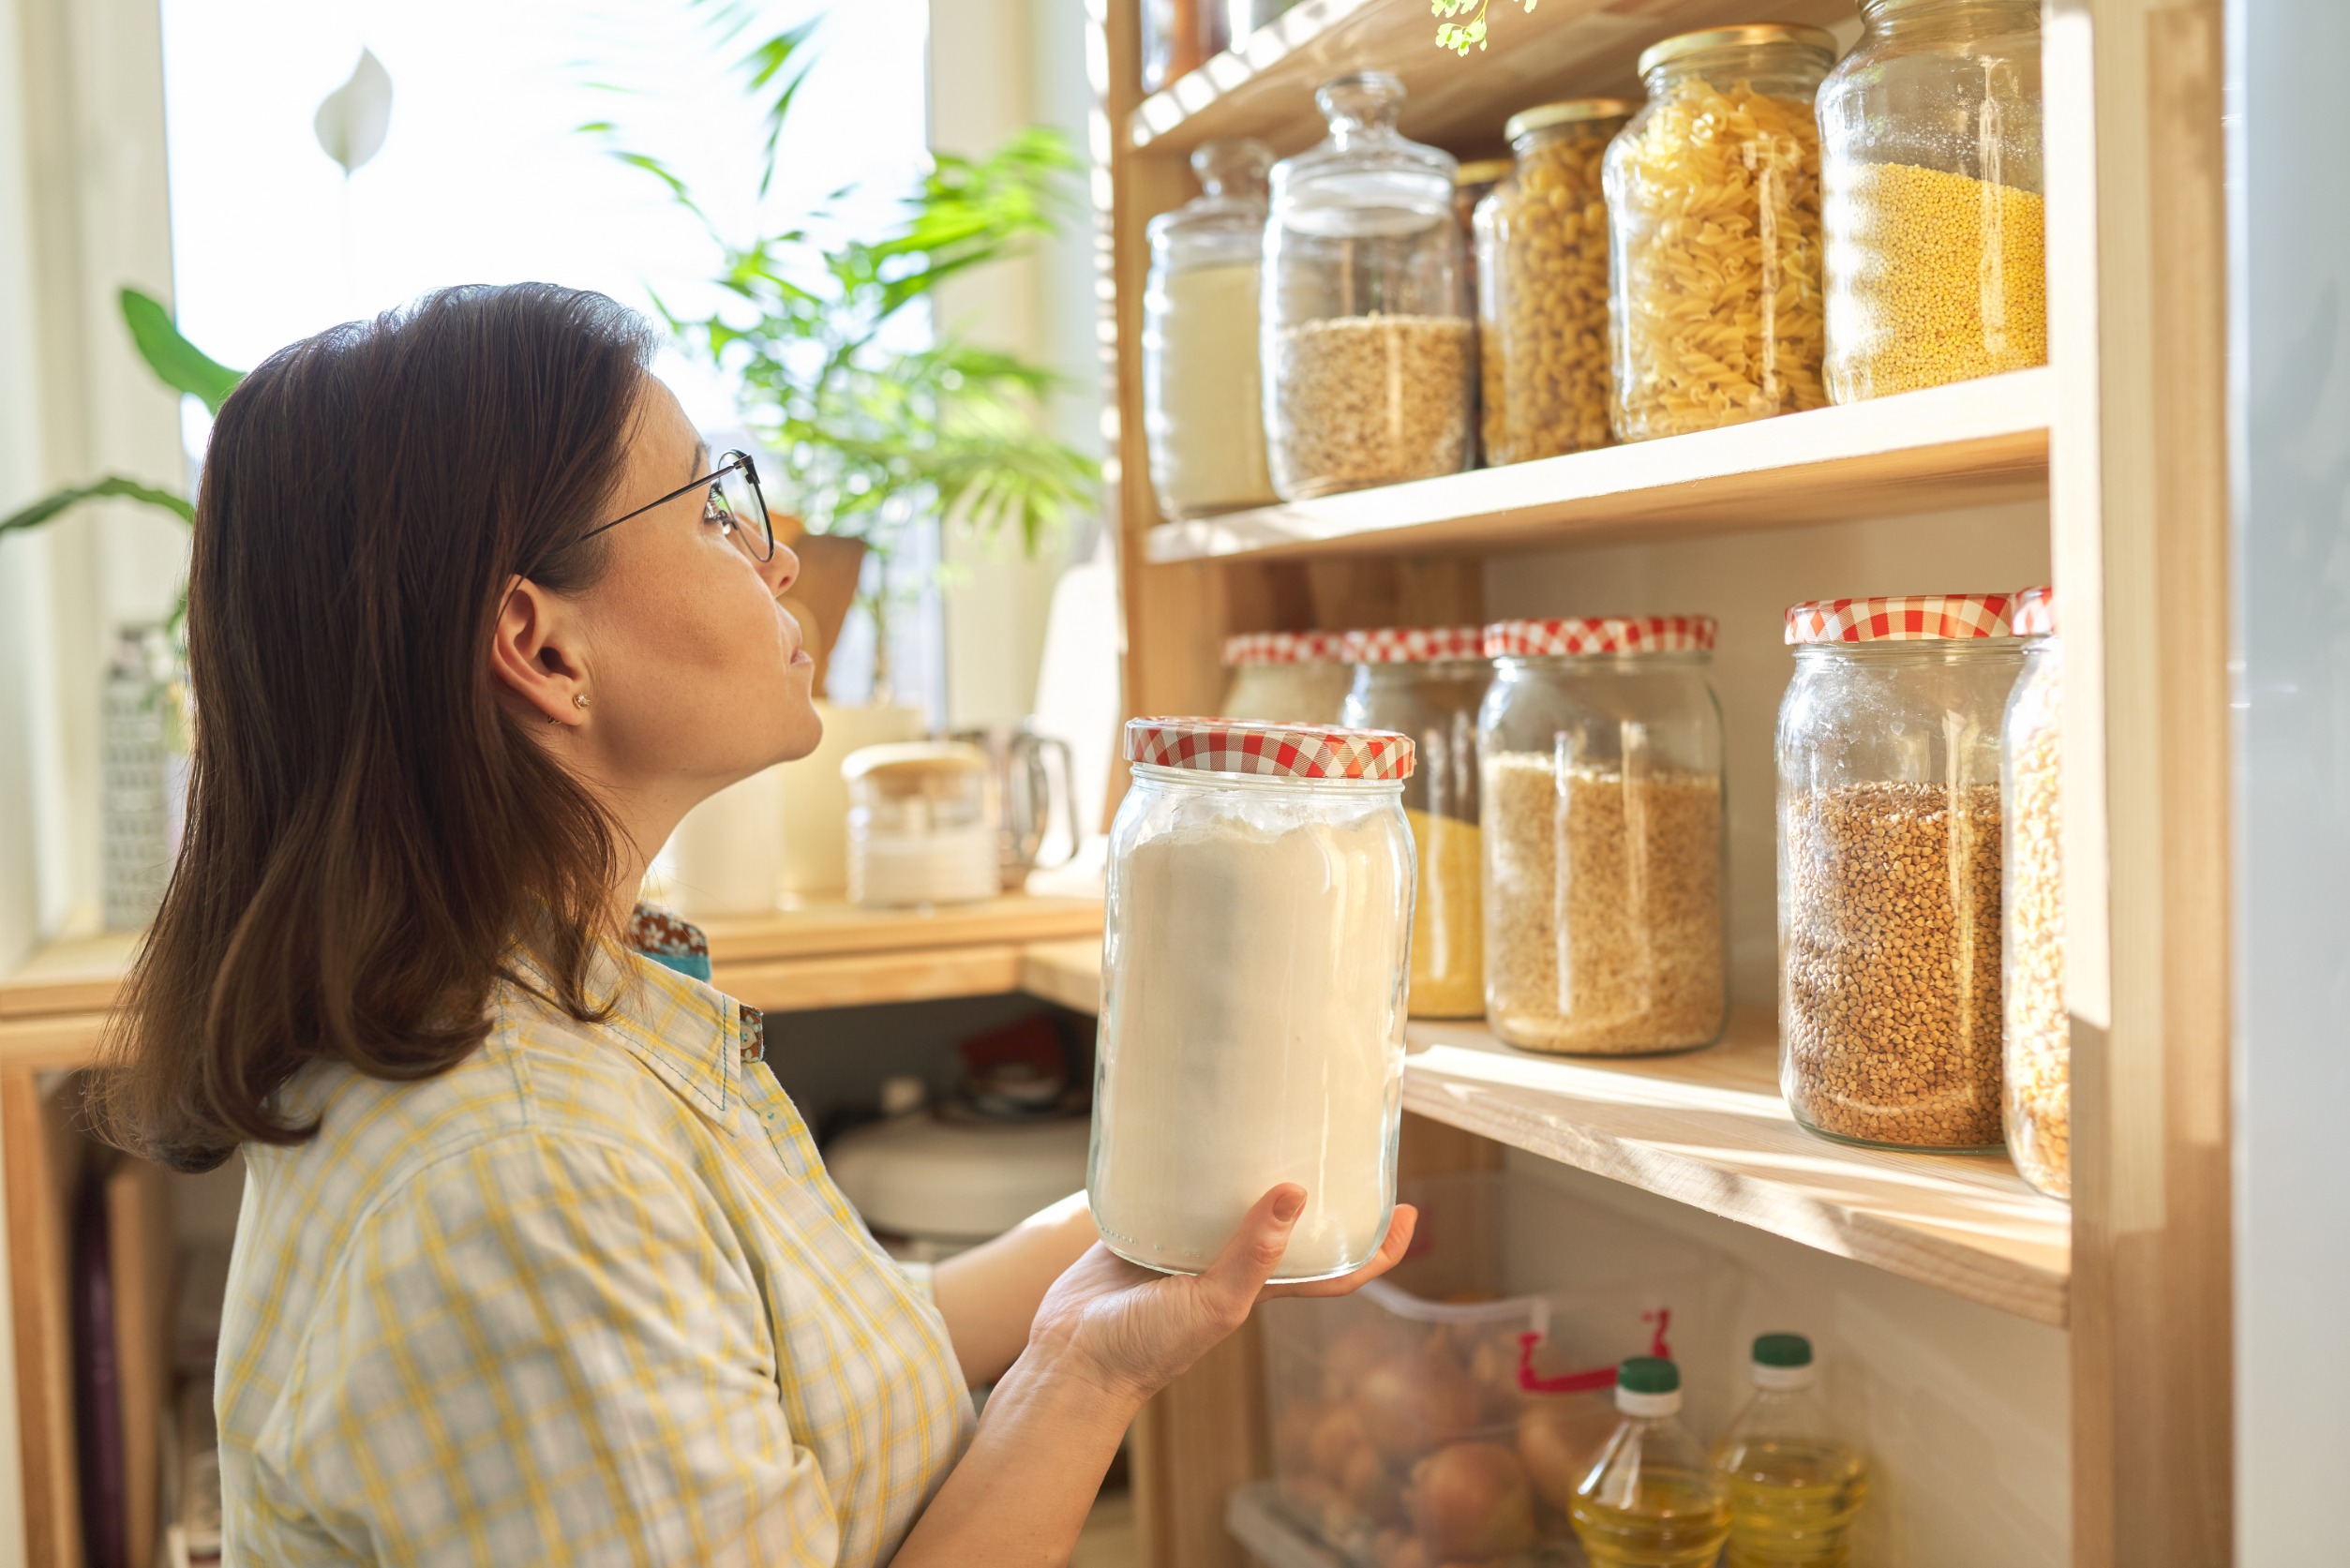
(1567, 111)
(1483, 171)
(1752, 35)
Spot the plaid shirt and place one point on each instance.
(587, 1297)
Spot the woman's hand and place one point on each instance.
(1131, 1332)
(1107, 1336)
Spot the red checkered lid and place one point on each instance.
(1268, 751)
(1413, 644)
(1902, 618)
(1283, 648)
(1601, 634)
(2034, 613)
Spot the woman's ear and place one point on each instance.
(537, 657)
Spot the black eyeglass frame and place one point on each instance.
(728, 462)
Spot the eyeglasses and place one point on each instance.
(736, 504)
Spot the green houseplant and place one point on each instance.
(879, 427)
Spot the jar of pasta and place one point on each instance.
(2032, 952)
(1425, 683)
(1713, 202)
(1252, 975)
(1599, 746)
(1203, 418)
(1542, 291)
(1369, 354)
(1286, 677)
(1890, 1014)
(1930, 166)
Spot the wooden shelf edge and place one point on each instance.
(1710, 1130)
(1969, 443)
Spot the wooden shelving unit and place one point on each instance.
(2121, 440)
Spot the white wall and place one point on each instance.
(998, 66)
(2289, 233)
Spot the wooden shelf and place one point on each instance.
(1561, 48)
(1971, 443)
(1710, 1130)
(818, 954)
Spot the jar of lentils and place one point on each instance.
(1542, 285)
(1286, 677)
(1890, 1010)
(1930, 172)
(1425, 683)
(1712, 195)
(1600, 748)
(2039, 1035)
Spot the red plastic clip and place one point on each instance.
(1531, 1381)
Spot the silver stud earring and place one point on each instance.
(579, 699)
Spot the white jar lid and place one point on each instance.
(1268, 751)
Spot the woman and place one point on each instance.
(536, 1262)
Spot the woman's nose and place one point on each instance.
(780, 571)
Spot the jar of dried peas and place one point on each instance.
(1712, 195)
(1425, 681)
(2031, 951)
(1889, 868)
(1930, 166)
(1599, 751)
(1542, 285)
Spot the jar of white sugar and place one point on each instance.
(1253, 971)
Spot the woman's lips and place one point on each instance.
(801, 656)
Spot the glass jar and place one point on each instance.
(1713, 202)
(1600, 747)
(1542, 286)
(2039, 1044)
(921, 825)
(1472, 183)
(1930, 165)
(1286, 677)
(1369, 351)
(1178, 35)
(1426, 682)
(1889, 868)
(1202, 411)
(1253, 963)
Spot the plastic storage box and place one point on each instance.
(1445, 1413)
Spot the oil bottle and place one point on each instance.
(1650, 1500)
(1794, 1487)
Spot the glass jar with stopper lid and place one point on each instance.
(1202, 408)
(1370, 355)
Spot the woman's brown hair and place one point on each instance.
(368, 832)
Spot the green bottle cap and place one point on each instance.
(1648, 1374)
(1782, 1350)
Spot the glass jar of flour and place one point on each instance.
(1253, 971)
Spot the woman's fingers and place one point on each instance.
(1241, 1269)
(1390, 1253)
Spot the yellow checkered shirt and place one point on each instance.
(588, 1297)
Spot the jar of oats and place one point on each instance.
(1425, 683)
(1542, 295)
(2039, 1035)
(1712, 195)
(1599, 747)
(1286, 677)
(1890, 1010)
(1930, 172)
(1370, 355)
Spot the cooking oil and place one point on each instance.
(1650, 1500)
(1794, 1487)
